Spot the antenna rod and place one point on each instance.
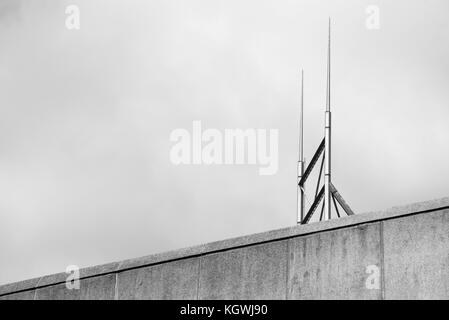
(328, 80)
(300, 191)
(327, 134)
(301, 120)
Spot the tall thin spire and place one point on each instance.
(327, 135)
(328, 86)
(301, 120)
(300, 190)
(328, 193)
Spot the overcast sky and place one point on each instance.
(86, 115)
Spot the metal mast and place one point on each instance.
(328, 193)
(327, 134)
(300, 189)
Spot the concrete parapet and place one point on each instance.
(399, 253)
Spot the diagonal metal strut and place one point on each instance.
(312, 163)
(335, 204)
(341, 201)
(315, 204)
(319, 177)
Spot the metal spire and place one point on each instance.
(327, 135)
(301, 162)
(300, 189)
(327, 193)
(328, 82)
(301, 120)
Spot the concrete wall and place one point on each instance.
(400, 253)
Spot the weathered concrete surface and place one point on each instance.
(19, 286)
(416, 251)
(96, 288)
(25, 295)
(173, 280)
(409, 246)
(255, 272)
(332, 265)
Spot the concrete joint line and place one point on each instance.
(116, 287)
(35, 288)
(198, 279)
(382, 260)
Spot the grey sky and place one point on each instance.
(85, 118)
